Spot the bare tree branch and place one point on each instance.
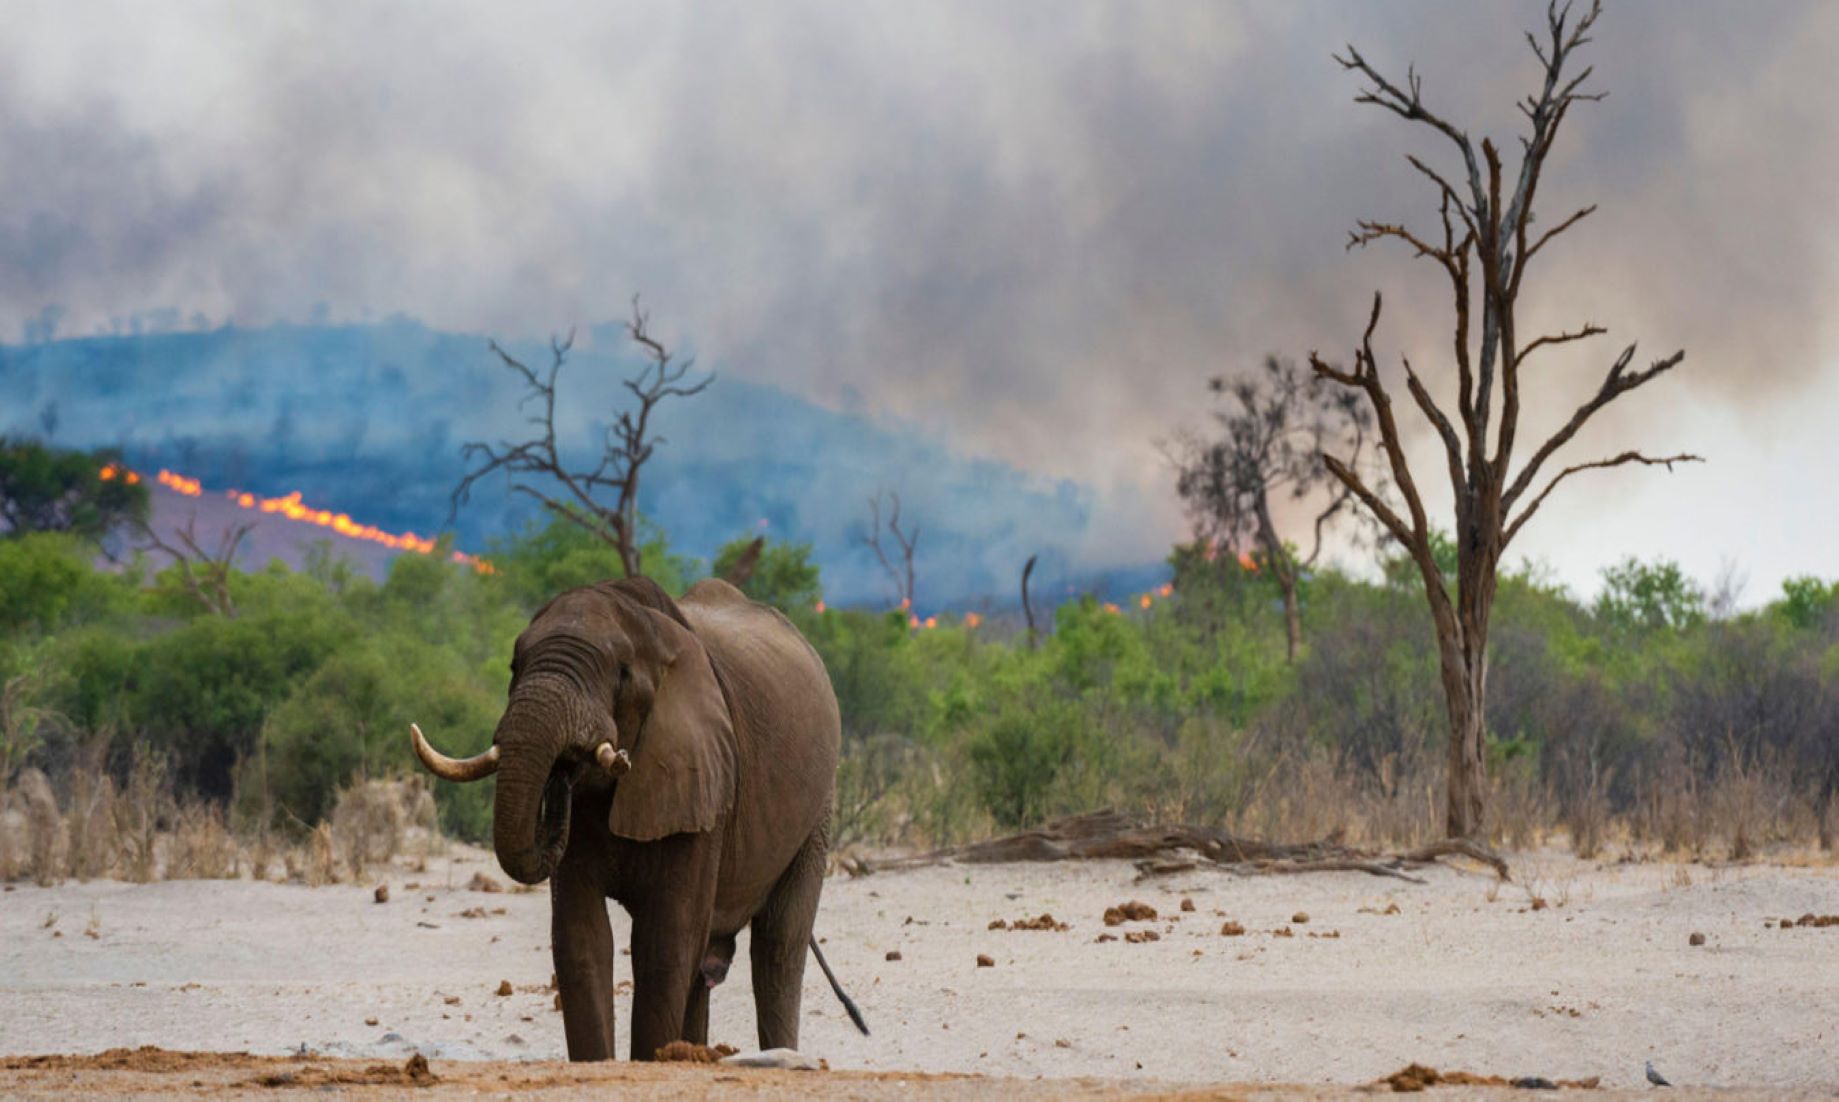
(581, 493)
(1617, 383)
(205, 575)
(1625, 458)
(905, 542)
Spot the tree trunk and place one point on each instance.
(1465, 816)
(1283, 569)
(1292, 619)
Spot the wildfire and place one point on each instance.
(178, 483)
(292, 507)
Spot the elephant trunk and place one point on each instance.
(531, 811)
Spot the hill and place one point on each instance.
(369, 420)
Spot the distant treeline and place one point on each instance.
(1652, 716)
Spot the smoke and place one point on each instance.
(1030, 230)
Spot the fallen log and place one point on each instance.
(1160, 849)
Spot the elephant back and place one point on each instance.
(787, 729)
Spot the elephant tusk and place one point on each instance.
(616, 762)
(453, 769)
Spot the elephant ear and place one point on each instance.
(683, 770)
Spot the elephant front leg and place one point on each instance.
(670, 930)
(582, 942)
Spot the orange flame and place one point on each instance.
(293, 508)
(1112, 609)
(1167, 590)
(971, 619)
(819, 607)
(178, 483)
(1143, 601)
(111, 471)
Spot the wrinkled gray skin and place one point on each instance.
(732, 731)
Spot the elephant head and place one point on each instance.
(609, 679)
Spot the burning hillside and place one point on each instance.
(290, 508)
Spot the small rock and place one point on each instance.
(1133, 911)
(382, 894)
(783, 1058)
(370, 1021)
(1231, 929)
(893, 954)
(451, 1000)
(390, 1038)
(984, 960)
(1187, 904)
(504, 988)
(1696, 939)
(1301, 918)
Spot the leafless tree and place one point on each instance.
(1271, 442)
(537, 468)
(1027, 605)
(1484, 251)
(205, 574)
(904, 542)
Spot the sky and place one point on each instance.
(1031, 230)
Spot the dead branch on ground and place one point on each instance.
(1160, 849)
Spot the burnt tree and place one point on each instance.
(1485, 247)
(904, 543)
(203, 573)
(1270, 445)
(537, 468)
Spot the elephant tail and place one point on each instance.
(849, 1004)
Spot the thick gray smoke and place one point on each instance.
(1030, 229)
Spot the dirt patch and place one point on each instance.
(414, 1073)
(145, 1058)
(683, 1052)
(1417, 1077)
(1041, 921)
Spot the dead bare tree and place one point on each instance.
(537, 469)
(1485, 248)
(1271, 444)
(1027, 605)
(205, 574)
(902, 575)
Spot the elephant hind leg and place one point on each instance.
(781, 942)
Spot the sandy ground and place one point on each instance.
(1594, 983)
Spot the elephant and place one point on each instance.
(678, 757)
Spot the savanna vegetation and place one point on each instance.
(145, 731)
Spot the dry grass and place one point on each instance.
(140, 832)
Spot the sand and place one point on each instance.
(1464, 975)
